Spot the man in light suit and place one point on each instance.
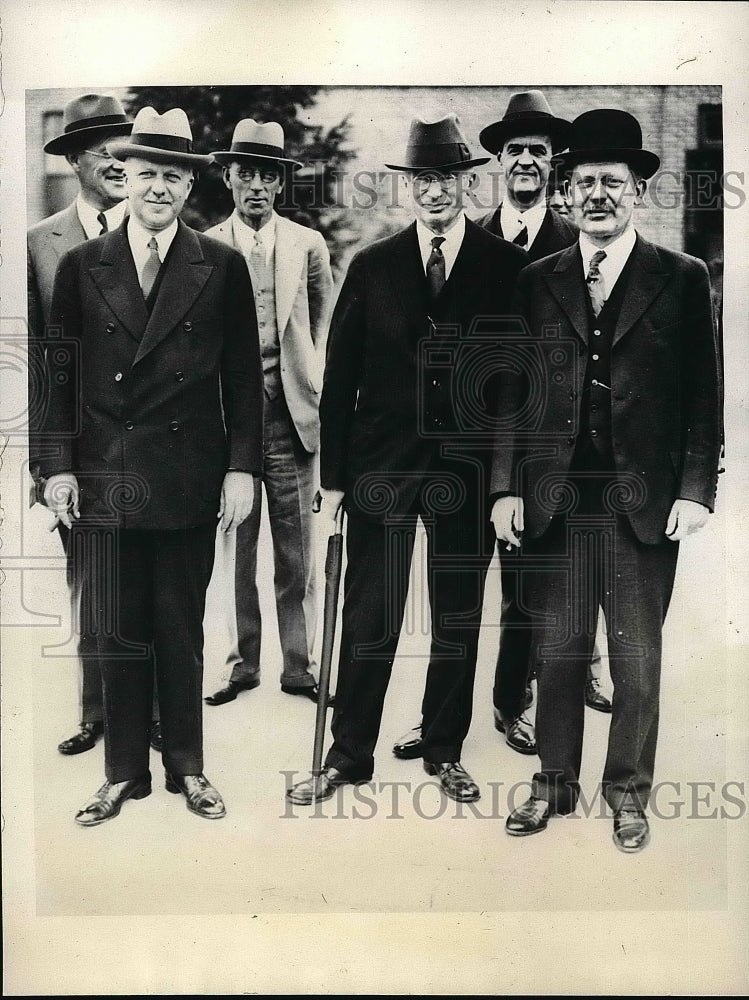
(89, 122)
(612, 460)
(412, 343)
(154, 429)
(290, 269)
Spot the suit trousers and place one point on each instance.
(587, 559)
(289, 476)
(460, 542)
(513, 668)
(148, 598)
(88, 654)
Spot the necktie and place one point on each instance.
(151, 268)
(436, 267)
(102, 220)
(521, 239)
(257, 261)
(596, 285)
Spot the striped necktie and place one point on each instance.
(102, 220)
(595, 282)
(435, 268)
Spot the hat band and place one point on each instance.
(258, 149)
(83, 123)
(514, 115)
(169, 143)
(434, 155)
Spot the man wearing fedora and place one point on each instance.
(413, 330)
(290, 269)
(618, 464)
(89, 122)
(157, 414)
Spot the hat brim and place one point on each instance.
(226, 157)
(642, 160)
(69, 142)
(445, 167)
(124, 150)
(494, 136)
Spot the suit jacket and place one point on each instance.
(555, 233)
(150, 411)
(665, 388)
(304, 286)
(394, 389)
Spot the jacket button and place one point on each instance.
(571, 439)
(594, 433)
(128, 425)
(179, 376)
(187, 325)
(174, 425)
(118, 377)
(573, 394)
(110, 328)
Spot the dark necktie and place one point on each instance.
(436, 267)
(102, 220)
(595, 282)
(151, 268)
(521, 239)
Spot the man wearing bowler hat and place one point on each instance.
(157, 418)
(411, 340)
(290, 269)
(89, 122)
(615, 463)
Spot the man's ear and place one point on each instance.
(72, 159)
(641, 186)
(225, 176)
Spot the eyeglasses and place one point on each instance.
(247, 174)
(102, 156)
(426, 180)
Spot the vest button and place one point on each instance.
(595, 357)
(187, 325)
(110, 327)
(128, 425)
(593, 407)
(179, 377)
(571, 439)
(594, 433)
(174, 425)
(118, 377)
(594, 381)
(573, 394)
(596, 333)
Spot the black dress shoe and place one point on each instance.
(157, 741)
(316, 789)
(455, 780)
(531, 817)
(631, 830)
(84, 739)
(202, 797)
(311, 691)
(230, 691)
(594, 696)
(107, 802)
(520, 733)
(410, 746)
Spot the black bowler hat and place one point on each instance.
(528, 113)
(89, 118)
(256, 141)
(608, 135)
(438, 145)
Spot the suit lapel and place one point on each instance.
(68, 231)
(184, 278)
(408, 276)
(567, 285)
(116, 279)
(288, 270)
(646, 280)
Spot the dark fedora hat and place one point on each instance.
(438, 145)
(89, 118)
(528, 113)
(159, 138)
(257, 141)
(608, 135)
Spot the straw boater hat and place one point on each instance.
(528, 113)
(159, 138)
(438, 145)
(89, 118)
(608, 135)
(256, 141)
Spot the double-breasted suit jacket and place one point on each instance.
(555, 234)
(150, 411)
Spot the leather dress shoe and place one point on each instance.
(84, 739)
(531, 817)
(107, 802)
(230, 691)
(455, 780)
(312, 692)
(410, 746)
(157, 740)
(594, 696)
(316, 789)
(202, 797)
(520, 733)
(631, 830)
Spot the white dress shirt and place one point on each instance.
(453, 239)
(512, 221)
(88, 216)
(245, 236)
(617, 255)
(138, 237)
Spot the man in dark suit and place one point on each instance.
(156, 420)
(612, 460)
(404, 436)
(290, 269)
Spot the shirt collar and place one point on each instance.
(512, 220)
(452, 238)
(88, 216)
(138, 237)
(245, 236)
(617, 252)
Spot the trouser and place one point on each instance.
(513, 668)
(289, 474)
(147, 602)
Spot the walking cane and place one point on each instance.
(333, 564)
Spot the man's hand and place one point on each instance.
(331, 502)
(686, 516)
(61, 495)
(507, 518)
(237, 496)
